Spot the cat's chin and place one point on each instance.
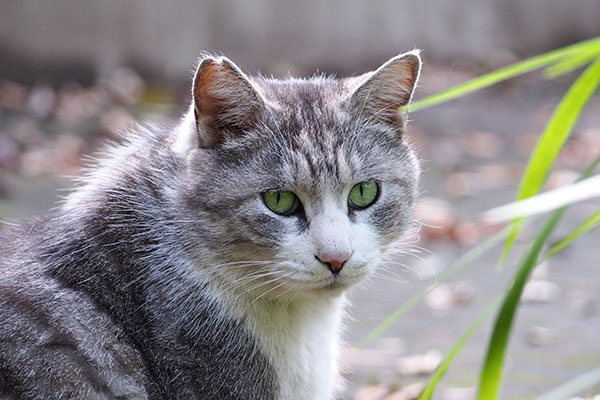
(330, 287)
(333, 289)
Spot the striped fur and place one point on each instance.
(165, 276)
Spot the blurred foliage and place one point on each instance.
(549, 146)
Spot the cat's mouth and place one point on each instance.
(331, 283)
(296, 281)
(335, 284)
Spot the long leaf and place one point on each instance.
(569, 64)
(582, 229)
(503, 74)
(545, 202)
(456, 266)
(574, 386)
(552, 140)
(443, 367)
(589, 224)
(491, 373)
(541, 203)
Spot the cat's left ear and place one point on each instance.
(224, 100)
(378, 95)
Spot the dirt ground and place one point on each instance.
(473, 151)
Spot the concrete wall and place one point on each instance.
(46, 37)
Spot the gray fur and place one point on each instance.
(113, 296)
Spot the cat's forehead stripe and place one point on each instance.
(310, 118)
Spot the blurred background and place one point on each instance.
(73, 74)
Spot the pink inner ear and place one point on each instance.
(386, 90)
(223, 95)
(208, 104)
(404, 76)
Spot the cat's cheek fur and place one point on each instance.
(309, 277)
(367, 254)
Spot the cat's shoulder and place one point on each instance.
(54, 339)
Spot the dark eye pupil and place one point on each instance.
(361, 188)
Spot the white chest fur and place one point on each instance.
(301, 342)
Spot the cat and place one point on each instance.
(209, 260)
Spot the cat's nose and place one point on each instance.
(330, 234)
(335, 262)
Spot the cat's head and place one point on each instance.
(298, 186)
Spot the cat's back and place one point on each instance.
(54, 342)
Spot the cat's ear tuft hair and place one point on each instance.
(378, 95)
(223, 98)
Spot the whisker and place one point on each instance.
(419, 248)
(394, 279)
(248, 262)
(268, 291)
(259, 285)
(409, 268)
(254, 277)
(287, 290)
(392, 273)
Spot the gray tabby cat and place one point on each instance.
(209, 260)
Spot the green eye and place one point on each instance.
(280, 201)
(363, 194)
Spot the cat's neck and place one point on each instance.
(301, 340)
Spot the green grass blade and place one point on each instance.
(569, 64)
(443, 367)
(491, 374)
(582, 229)
(493, 215)
(503, 74)
(456, 266)
(589, 224)
(574, 386)
(552, 140)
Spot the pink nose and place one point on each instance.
(335, 262)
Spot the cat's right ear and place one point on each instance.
(224, 100)
(377, 96)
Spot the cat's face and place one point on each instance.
(299, 186)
